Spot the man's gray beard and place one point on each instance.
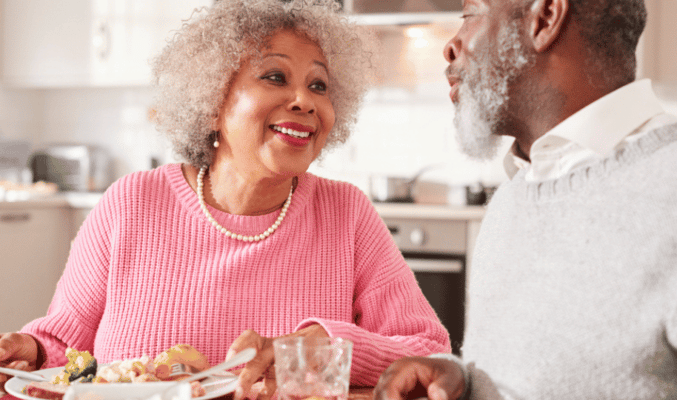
(483, 96)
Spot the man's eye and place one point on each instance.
(466, 16)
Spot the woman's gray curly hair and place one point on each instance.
(193, 72)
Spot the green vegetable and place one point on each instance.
(80, 364)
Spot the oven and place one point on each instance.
(435, 248)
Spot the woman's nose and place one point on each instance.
(302, 101)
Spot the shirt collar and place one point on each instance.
(599, 126)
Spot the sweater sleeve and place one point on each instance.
(392, 318)
(73, 316)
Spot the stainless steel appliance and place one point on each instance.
(73, 167)
(435, 249)
(13, 160)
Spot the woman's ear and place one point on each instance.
(216, 123)
(547, 22)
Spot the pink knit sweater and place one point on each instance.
(148, 271)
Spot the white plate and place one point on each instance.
(16, 385)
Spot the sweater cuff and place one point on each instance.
(464, 368)
(307, 322)
(335, 329)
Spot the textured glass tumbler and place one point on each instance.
(312, 367)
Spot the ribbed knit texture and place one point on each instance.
(573, 288)
(148, 271)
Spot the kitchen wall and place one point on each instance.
(405, 124)
(115, 118)
(20, 113)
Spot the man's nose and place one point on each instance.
(451, 49)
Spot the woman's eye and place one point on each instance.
(276, 77)
(319, 86)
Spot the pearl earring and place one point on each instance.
(215, 134)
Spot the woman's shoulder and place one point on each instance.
(330, 196)
(146, 183)
(321, 188)
(143, 178)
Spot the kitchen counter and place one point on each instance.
(391, 210)
(64, 199)
(428, 211)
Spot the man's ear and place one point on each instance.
(547, 18)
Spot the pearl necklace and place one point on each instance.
(244, 238)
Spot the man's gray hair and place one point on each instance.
(611, 30)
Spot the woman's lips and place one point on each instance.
(296, 126)
(293, 133)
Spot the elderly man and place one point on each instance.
(573, 291)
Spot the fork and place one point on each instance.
(180, 369)
(23, 374)
(242, 357)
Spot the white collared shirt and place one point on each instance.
(592, 133)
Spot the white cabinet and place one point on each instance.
(64, 43)
(657, 52)
(78, 216)
(34, 244)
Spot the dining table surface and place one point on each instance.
(356, 393)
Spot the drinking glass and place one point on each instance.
(312, 367)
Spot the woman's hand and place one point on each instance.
(415, 377)
(18, 351)
(262, 364)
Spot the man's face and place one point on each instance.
(485, 58)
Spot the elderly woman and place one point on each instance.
(240, 244)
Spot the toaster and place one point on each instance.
(73, 167)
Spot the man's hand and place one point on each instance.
(414, 377)
(261, 367)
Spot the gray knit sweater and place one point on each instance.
(573, 288)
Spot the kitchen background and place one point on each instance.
(76, 71)
(57, 88)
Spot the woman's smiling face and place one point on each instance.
(277, 114)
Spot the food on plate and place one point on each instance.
(82, 368)
(45, 390)
(197, 390)
(80, 364)
(134, 370)
(179, 354)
